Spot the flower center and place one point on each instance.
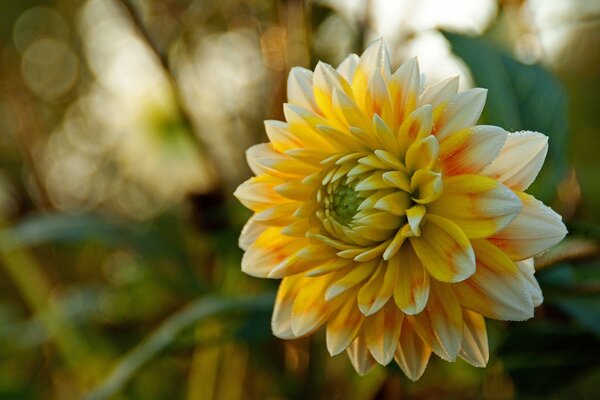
(372, 201)
(345, 204)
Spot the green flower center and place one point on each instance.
(345, 204)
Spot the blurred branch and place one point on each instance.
(163, 59)
(196, 312)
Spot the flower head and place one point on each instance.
(392, 219)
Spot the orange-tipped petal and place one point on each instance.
(479, 205)
(412, 286)
(470, 150)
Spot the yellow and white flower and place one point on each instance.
(391, 217)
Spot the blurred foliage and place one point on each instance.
(122, 130)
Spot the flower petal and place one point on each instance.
(250, 232)
(439, 94)
(269, 250)
(441, 323)
(343, 325)
(479, 205)
(300, 89)
(412, 286)
(281, 320)
(527, 270)
(462, 112)
(444, 250)
(405, 87)
(375, 59)
(412, 354)
(497, 289)
(358, 353)
(353, 277)
(536, 228)
(310, 310)
(348, 66)
(474, 348)
(258, 193)
(520, 160)
(470, 150)
(382, 331)
(377, 291)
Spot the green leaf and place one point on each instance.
(520, 97)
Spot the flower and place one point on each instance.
(392, 219)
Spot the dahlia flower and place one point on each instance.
(391, 218)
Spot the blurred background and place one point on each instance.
(123, 126)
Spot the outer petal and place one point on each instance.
(474, 348)
(497, 290)
(251, 231)
(412, 354)
(412, 286)
(527, 270)
(269, 250)
(462, 112)
(470, 150)
(310, 310)
(479, 205)
(300, 89)
(343, 325)
(280, 136)
(281, 321)
(375, 58)
(439, 94)
(377, 291)
(536, 228)
(348, 66)
(350, 279)
(441, 323)
(258, 193)
(382, 331)
(444, 250)
(520, 159)
(362, 361)
(405, 88)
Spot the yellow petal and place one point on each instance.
(479, 205)
(373, 295)
(281, 137)
(474, 348)
(497, 289)
(258, 193)
(462, 111)
(470, 150)
(382, 332)
(423, 153)
(417, 125)
(375, 58)
(412, 285)
(269, 250)
(536, 228)
(395, 203)
(250, 232)
(377, 101)
(426, 186)
(358, 353)
(441, 322)
(444, 250)
(412, 354)
(520, 159)
(405, 87)
(353, 277)
(325, 80)
(310, 310)
(281, 320)
(343, 325)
